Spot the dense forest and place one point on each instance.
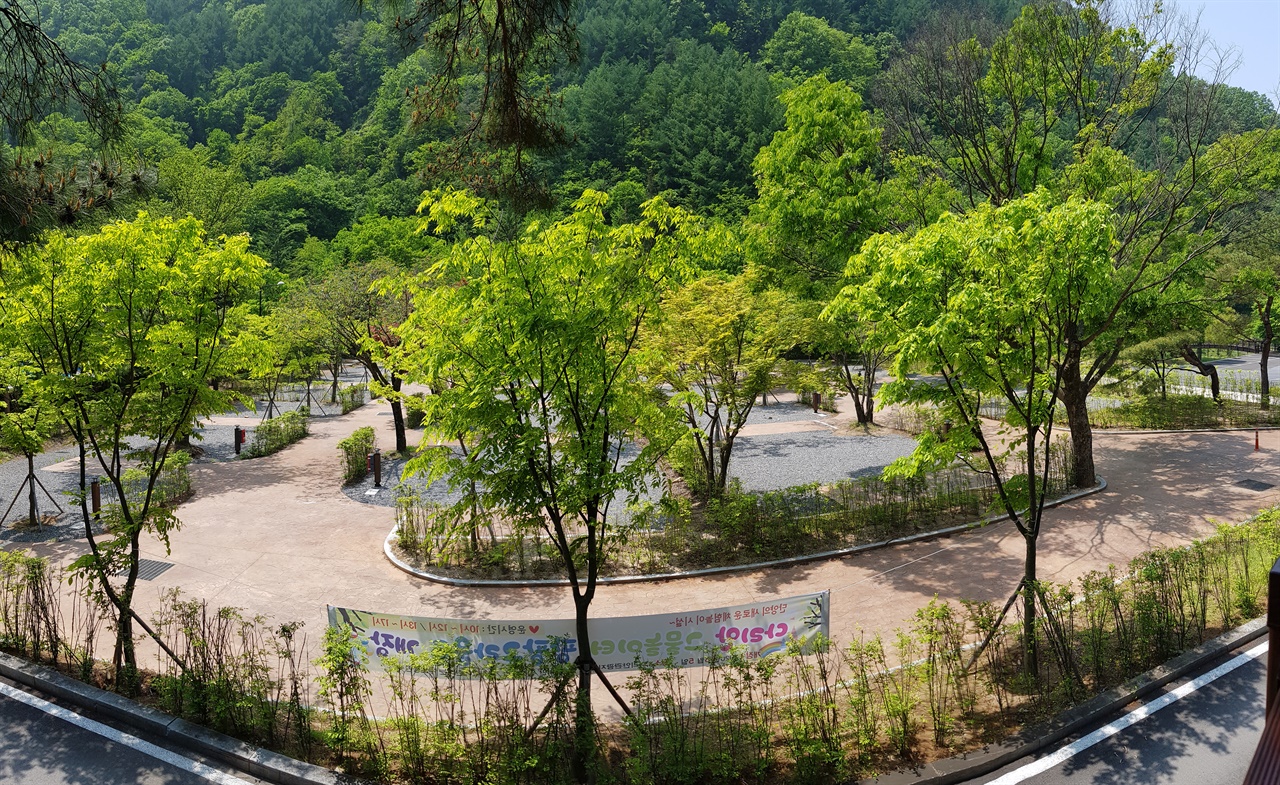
(295, 121)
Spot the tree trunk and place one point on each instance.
(859, 410)
(397, 416)
(33, 507)
(869, 369)
(1204, 369)
(584, 738)
(1031, 665)
(127, 659)
(1075, 400)
(1268, 335)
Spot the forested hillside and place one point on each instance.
(298, 125)
(291, 120)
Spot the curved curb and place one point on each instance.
(388, 550)
(1124, 432)
(254, 761)
(965, 767)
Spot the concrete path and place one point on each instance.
(276, 536)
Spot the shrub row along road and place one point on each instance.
(277, 536)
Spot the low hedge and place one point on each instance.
(355, 451)
(277, 433)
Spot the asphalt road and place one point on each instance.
(39, 748)
(1205, 738)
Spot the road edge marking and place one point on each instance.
(1078, 746)
(120, 737)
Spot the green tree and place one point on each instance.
(1251, 273)
(212, 194)
(818, 196)
(806, 46)
(126, 327)
(716, 345)
(1160, 355)
(362, 320)
(819, 200)
(530, 347)
(982, 303)
(1054, 102)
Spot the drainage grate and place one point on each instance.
(1255, 485)
(148, 569)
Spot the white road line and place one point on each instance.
(119, 737)
(1135, 716)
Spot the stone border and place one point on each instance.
(254, 761)
(975, 764)
(388, 549)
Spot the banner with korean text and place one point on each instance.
(760, 628)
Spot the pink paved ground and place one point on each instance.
(276, 536)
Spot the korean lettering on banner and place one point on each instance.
(617, 644)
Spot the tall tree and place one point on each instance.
(983, 302)
(1053, 101)
(530, 347)
(819, 200)
(126, 327)
(362, 318)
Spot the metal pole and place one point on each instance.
(95, 490)
(237, 438)
(377, 468)
(1273, 632)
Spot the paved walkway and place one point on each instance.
(277, 536)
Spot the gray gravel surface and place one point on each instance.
(781, 460)
(439, 491)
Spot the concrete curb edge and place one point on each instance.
(254, 761)
(975, 764)
(1126, 432)
(388, 549)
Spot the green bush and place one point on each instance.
(277, 433)
(355, 452)
(413, 412)
(353, 397)
(173, 486)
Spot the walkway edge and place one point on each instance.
(1127, 432)
(254, 761)
(388, 549)
(975, 764)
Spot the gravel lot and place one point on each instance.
(781, 460)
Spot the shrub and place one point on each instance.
(173, 486)
(353, 397)
(277, 433)
(413, 411)
(355, 452)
